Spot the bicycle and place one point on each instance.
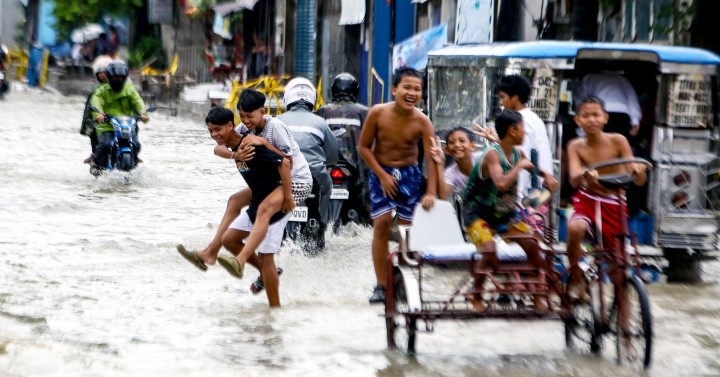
(599, 316)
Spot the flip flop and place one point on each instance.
(192, 257)
(232, 265)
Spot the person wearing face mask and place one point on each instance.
(117, 97)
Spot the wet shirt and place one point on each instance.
(482, 198)
(262, 177)
(280, 136)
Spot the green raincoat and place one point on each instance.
(125, 102)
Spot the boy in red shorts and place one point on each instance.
(596, 207)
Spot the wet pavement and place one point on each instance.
(91, 284)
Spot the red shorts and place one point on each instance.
(601, 213)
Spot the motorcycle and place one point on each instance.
(123, 155)
(349, 197)
(304, 226)
(4, 82)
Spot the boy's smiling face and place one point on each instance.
(221, 133)
(408, 92)
(459, 145)
(252, 119)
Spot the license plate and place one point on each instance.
(299, 214)
(339, 194)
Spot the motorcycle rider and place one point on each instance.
(316, 140)
(120, 98)
(4, 83)
(88, 122)
(344, 112)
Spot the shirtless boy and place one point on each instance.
(594, 148)
(389, 145)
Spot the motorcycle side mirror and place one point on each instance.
(150, 109)
(339, 132)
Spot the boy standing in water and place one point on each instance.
(266, 174)
(389, 145)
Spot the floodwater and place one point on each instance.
(91, 284)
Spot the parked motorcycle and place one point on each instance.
(4, 81)
(123, 155)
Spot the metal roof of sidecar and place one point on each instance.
(570, 50)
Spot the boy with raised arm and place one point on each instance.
(389, 145)
(490, 202)
(592, 201)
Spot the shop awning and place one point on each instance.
(234, 6)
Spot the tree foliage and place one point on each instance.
(69, 14)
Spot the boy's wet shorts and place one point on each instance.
(601, 215)
(408, 180)
(480, 231)
(301, 191)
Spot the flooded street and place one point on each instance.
(91, 284)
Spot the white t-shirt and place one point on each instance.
(455, 178)
(536, 137)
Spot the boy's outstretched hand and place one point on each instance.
(526, 164)
(437, 153)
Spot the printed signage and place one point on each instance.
(689, 103)
(543, 98)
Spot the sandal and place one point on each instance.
(257, 286)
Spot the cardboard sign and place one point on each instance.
(689, 101)
(544, 95)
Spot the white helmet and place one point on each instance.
(297, 90)
(100, 63)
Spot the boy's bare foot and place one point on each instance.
(89, 159)
(479, 305)
(207, 256)
(540, 304)
(577, 290)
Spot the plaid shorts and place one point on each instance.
(300, 191)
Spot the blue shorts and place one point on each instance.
(408, 180)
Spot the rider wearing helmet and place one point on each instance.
(317, 143)
(117, 97)
(88, 123)
(344, 112)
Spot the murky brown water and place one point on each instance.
(91, 285)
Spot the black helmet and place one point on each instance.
(117, 73)
(344, 86)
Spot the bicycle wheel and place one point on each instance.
(634, 341)
(582, 329)
(400, 326)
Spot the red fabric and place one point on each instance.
(585, 205)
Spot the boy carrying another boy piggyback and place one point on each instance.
(266, 174)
